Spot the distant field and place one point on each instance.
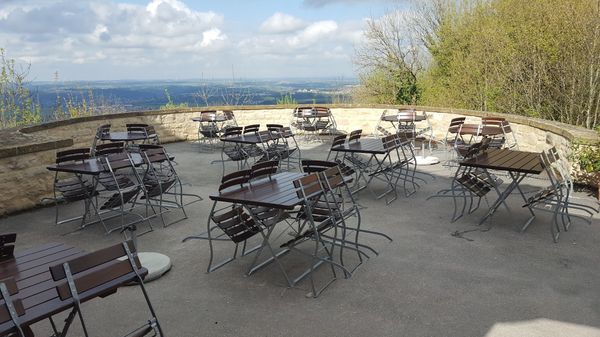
(148, 95)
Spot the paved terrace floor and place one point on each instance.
(425, 283)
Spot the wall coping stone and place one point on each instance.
(15, 142)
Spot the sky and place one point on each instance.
(185, 39)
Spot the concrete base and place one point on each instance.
(156, 263)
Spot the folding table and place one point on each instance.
(518, 165)
(37, 290)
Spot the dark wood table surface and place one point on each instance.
(276, 192)
(362, 145)
(124, 136)
(251, 138)
(478, 130)
(507, 160)
(93, 166)
(403, 119)
(37, 290)
(211, 118)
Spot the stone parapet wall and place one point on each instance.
(25, 153)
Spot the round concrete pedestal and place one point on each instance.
(156, 263)
(429, 160)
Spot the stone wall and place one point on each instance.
(25, 153)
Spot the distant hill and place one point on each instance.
(149, 95)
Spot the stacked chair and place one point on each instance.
(469, 183)
(162, 186)
(557, 198)
(91, 275)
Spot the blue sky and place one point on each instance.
(182, 39)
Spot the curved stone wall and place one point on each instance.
(25, 153)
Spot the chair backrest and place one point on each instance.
(7, 247)
(109, 148)
(456, 124)
(312, 166)
(338, 140)
(229, 115)
(153, 153)
(73, 155)
(266, 168)
(275, 127)
(101, 272)
(233, 131)
(492, 121)
(208, 112)
(102, 130)
(10, 309)
(251, 128)
(332, 178)
(308, 187)
(389, 142)
(238, 179)
(136, 125)
(355, 135)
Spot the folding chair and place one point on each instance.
(232, 220)
(123, 187)
(469, 183)
(7, 247)
(254, 150)
(230, 117)
(208, 132)
(98, 274)
(232, 152)
(147, 130)
(11, 310)
(101, 132)
(71, 187)
(452, 139)
(497, 141)
(314, 225)
(109, 148)
(160, 180)
(283, 147)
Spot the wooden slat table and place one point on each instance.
(124, 136)
(37, 290)
(276, 192)
(518, 164)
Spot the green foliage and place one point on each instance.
(287, 100)
(587, 156)
(172, 105)
(17, 104)
(537, 58)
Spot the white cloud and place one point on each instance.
(100, 30)
(279, 23)
(210, 36)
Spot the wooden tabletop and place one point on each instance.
(93, 166)
(276, 192)
(403, 118)
(362, 145)
(210, 118)
(478, 130)
(251, 138)
(37, 290)
(124, 136)
(507, 160)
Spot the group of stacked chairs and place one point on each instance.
(313, 121)
(275, 143)
(81, 279)
(470, 185)
(209, 130)
(398, 166)
(328, 216)
(458, 144)
(133, 176)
